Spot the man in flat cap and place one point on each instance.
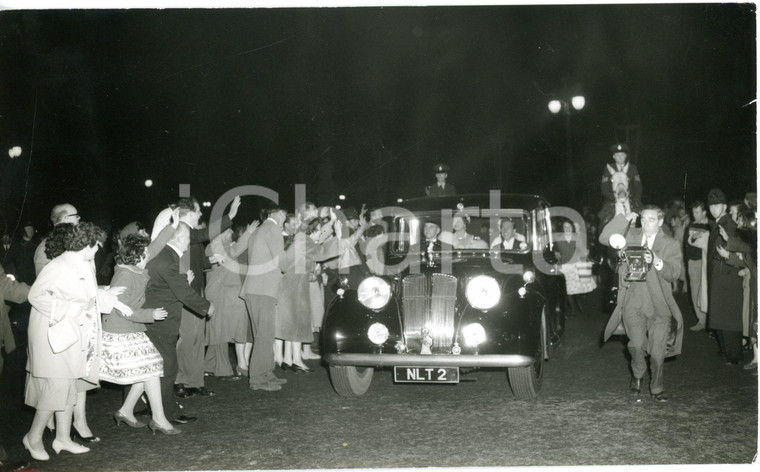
(622, 168)
(441, 188)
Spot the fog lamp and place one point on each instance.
(474, 334)
(529, 277)
(378, 333)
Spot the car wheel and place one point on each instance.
(526, 381)
(350, 381)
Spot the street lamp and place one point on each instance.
(555, 106)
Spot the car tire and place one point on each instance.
(350, 381)
(526, 381)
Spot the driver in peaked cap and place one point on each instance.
(441, 188)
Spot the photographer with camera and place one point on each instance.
(645, 301)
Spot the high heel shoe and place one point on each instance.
(153, 426)
(75, 435)
(119, 419)
(36, 455)
(286, 367)
(299, 368)
(58, 446)
(241, 371)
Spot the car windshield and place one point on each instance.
(504, 230)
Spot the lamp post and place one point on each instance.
(555, 106)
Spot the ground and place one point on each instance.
(584, 416)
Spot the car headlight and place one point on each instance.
(483, 292)
(378, 333)
(374, 293)
(474, 334)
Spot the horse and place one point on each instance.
(623, 204)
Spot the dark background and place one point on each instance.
(364, 101)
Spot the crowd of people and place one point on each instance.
(158, 311)
(173, 301)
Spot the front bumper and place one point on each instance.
(412, 360)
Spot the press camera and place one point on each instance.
(634, 258)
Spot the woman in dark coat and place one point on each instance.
(742, 253)
(724, 284)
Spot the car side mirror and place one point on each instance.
(551, 256)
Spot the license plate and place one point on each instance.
(426, 374)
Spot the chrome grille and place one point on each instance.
(442, 306)
(429, 301)
(416, 308)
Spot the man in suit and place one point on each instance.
(441, 188)
(169, 290)
(647, 307)
(19, 262)
(63, 213)
(508, 238)
(19, 259)
(191, 345)
(260, 288)
(431, 231)
(16, 292)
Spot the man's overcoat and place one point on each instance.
(658, 282)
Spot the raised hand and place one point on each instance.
(251, 228)
(234, 207)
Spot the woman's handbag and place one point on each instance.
(62, 334)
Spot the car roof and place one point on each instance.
(481, 200)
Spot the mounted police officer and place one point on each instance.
(620, 154)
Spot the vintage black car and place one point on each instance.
(443, 309)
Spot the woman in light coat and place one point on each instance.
(65, 289)
(223, 290)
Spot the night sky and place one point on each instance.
(364, 101)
